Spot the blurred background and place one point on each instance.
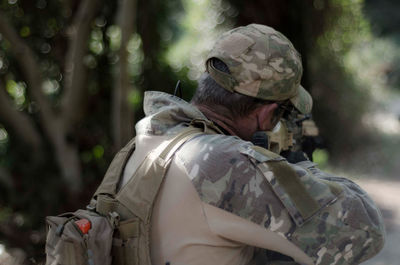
(73, 73)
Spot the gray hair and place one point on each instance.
(211, 94)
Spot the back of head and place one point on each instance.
(259, 62)
(211, 94)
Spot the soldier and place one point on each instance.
(224, 200)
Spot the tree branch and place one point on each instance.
(66, 154)
(123, 116)
(30, 68)
(18, 121)
(75, 89)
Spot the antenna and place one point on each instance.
(178, 88)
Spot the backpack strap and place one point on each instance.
(208, 126)
(146, 181)
(114, 172)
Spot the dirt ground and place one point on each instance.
(387, 195)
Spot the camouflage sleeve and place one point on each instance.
(350, 228)
(331, 219)
(336, 221)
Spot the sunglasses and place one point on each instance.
(284, 109)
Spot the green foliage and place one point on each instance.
(114, 37)
(96, 42)
(98, 151)
(353, 70)
(135, 59)
(345, 28)
(339, 100)
(30, 183)
(4, 139)
(5, 214)
(3, 136)
(384, 18)
(321, 158)
(135, 98)
(202, 23)
(17, 91)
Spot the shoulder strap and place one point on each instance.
(114, 171)
(146, 181)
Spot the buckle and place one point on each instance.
(92, 205)
(207, 125)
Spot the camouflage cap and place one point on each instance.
(263, 64)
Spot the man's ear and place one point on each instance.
(265, 115)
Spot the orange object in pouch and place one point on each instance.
(84, 225)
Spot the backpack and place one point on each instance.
(115, 227)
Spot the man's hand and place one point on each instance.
(294, 156)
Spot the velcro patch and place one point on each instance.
(302, 193)
(260, 154)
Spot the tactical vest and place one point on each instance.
(120, 219)
(134, 202)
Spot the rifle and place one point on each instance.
(294, 135)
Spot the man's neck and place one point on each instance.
(225, 123)
(243, 127)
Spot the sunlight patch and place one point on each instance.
(388, 123)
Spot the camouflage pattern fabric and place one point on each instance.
(339, 224)
(263, 64)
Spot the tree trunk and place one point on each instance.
(75, 88)
(57, 126)
(67, 156)
(122, 111)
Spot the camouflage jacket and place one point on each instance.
(330, 218)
